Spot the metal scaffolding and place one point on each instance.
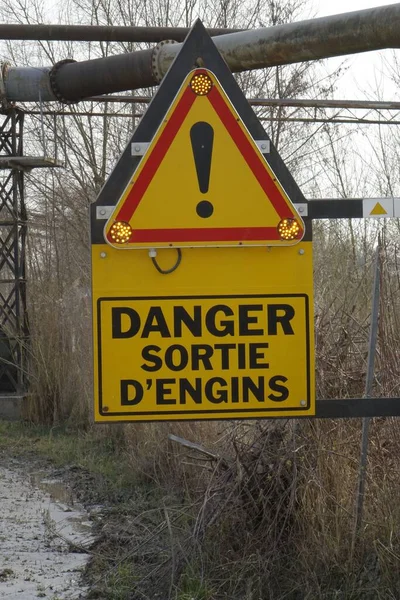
(14, 330)
(13, 229)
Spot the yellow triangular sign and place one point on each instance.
(203, 181)
(378, 210)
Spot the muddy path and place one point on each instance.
(44, 534)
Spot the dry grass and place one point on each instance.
(272, 516)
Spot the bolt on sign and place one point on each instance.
(201, 265)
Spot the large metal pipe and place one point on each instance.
(348, 33)
(325, 37)
(99, 33)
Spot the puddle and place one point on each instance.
(68, 519)
(57, 490)
(44, 537)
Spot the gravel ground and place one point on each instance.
(43, 540)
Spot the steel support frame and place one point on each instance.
(335, 408)
(346, 408)
(13, 230)
(13, 308)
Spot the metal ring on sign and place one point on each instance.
(155, 62)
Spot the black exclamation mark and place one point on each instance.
(202, 138)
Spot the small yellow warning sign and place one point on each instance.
(378, 210)
(203, 181)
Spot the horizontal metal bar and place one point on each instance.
(361, 121)
(311, 103)
(98, 33)
(330, 120)
(357, 407)
(28, 162)
(91, 113)
(354, 208)
(345, 208)
(288, 102)
(15, 280)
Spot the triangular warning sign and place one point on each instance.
(203, 181)
(378, 210)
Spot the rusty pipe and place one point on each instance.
(348, 33)
(98, 33)
(313, 39)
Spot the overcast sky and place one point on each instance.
(365, 71)
(327, 7)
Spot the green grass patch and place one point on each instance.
(90, 451)
(131, 534)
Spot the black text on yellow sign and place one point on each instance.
(203, 357)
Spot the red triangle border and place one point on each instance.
(217, 234)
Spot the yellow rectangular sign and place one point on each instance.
(204, 357)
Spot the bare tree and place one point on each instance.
(90, 143)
